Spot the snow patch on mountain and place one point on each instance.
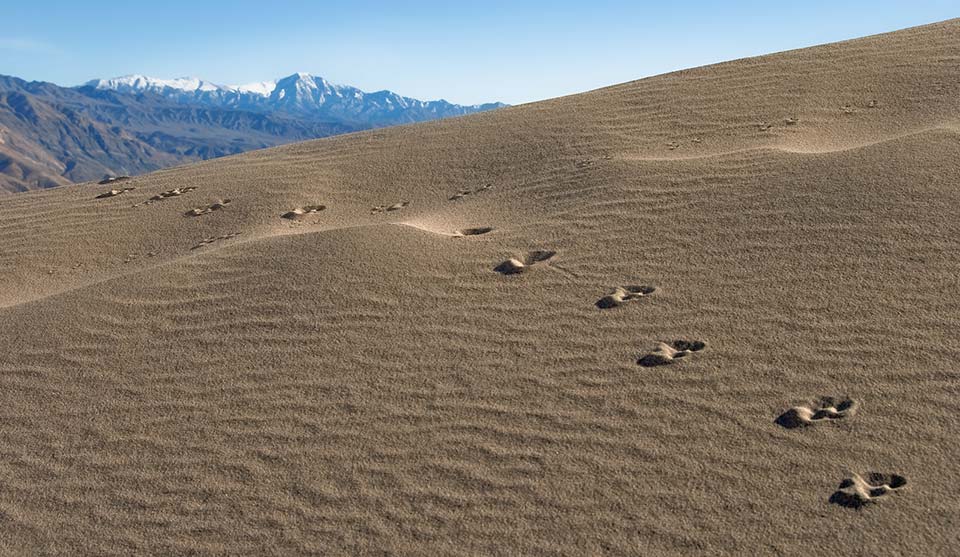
(141, 82)
(262, 88)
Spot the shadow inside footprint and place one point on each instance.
(473, 231)
(463, 193)
(623, 294)
(196, 212)
(300, 212)
(827, 408)
(515, 266)
(385, 208)
(687, 346)
(856, 492)
(167, 195)
(666, 354)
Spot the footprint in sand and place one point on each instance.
(394, 207)
(131, 257)
(848, 109)
(196, 212)
(112, 179)
(825, 409)
(114, 193)
(666, 354)
(673, 145)
(212, 240)
(791, 121)
(168, 194)
(515, 266)
(764, 126)
(873, 104)
(472, 231)
(301, 212)
(856, 491)
(623, 294)
(463, 193)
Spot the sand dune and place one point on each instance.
(358, 378)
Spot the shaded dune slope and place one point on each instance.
(359, 380)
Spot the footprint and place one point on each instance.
(764, 126)
(873, 104)
(212, 240)
(172, 193)
(791, 121)
(847, 109)
(472, 231)
(463, 193)
(583, 163)
(114, 193)
(394, 207)
(515, 266)
(131, 257)
(168, 194)
(826, 409)
(196, 212)
(112, 179)
(673, 145)
(300, 212)
(666, 354)
(856, 491)
(623, 294)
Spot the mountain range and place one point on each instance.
(52, 135)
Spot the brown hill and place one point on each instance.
(197, 366)
(52, 135)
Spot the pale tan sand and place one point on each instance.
(358, 386)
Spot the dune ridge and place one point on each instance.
(310, 350)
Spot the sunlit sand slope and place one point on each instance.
(713, 311)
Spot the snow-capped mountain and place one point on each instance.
(300, 94)
(55, 135)
(136, 83)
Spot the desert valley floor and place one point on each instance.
(711, 312)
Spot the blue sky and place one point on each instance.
(465, 52)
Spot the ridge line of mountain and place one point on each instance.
(52, 135)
